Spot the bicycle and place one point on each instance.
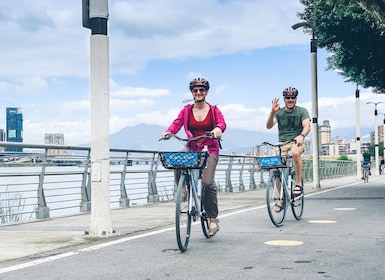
(281, 172)
(366, 166)
(189, 204)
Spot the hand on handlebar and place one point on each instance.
(165, 135)
(216, 133)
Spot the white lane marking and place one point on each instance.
(284, 243)
(122, 240)
(344, 209)
(322, 222)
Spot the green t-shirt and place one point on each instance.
(367, 156)
(290, 123)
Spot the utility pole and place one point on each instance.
(95, 16)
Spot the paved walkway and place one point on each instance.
(28, 239)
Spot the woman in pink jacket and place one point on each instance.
(196, 119)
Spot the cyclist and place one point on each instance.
(196, 119)
(366, 159)
(293, 123)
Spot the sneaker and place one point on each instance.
(370, 173)
(362, 178)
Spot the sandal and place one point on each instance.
(278, 206)
(297, 191)
(213, 229)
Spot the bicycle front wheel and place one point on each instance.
(182, 215)
(276, 200)
(297, 202)
(366, 175)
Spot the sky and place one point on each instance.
(245, 48)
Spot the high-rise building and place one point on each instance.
(325, 132)
(14, 128)
(55, 139)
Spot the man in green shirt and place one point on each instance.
(366, 159)
(293, 124)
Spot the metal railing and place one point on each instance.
(53, 180)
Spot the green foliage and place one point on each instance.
(372, 149)
(343, 157)
(354, 37)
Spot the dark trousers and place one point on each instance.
(209, 191)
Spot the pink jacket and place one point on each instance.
(182, 120)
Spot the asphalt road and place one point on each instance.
(341, 236)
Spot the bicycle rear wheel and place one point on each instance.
(182, 215)
(274, 198)
(297, 202)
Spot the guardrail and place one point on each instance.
(54, 180)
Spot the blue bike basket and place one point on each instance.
(270, 162)
(180, 160)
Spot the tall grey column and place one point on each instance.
(358, 133)
(100, 117)
(314, 98)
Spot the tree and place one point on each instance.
(374, 6)
(352, 35)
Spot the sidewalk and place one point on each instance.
(28, 239)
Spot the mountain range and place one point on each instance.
(146, 137)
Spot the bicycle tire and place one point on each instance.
(297, 202)
(273, 197)
(366, 175)
(183, 218)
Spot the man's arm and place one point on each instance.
(271, 120)
(300, 139)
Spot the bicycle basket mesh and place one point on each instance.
(271, 162)
(178, 160)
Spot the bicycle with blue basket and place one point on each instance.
(366, 168)
(280, 186)
(189, 203)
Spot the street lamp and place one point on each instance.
(358, 133)
(314, 99)
(375, 133)
(383, 136)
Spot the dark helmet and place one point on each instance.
(199, 82)
(290, 92)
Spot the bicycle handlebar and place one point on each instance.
(279, 145)
(170, 135)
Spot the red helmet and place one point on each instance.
(199, 82)
(290, 92)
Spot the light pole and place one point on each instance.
(95, 17)
(375, 134)
(314, 99)
(383, 138)
(358, 133)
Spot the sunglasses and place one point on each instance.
(195, 90)
(292, 98)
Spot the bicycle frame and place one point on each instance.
(188, 208)
(279, 191)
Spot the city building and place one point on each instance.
(54, 139)
(325, 134)
(14, 128)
